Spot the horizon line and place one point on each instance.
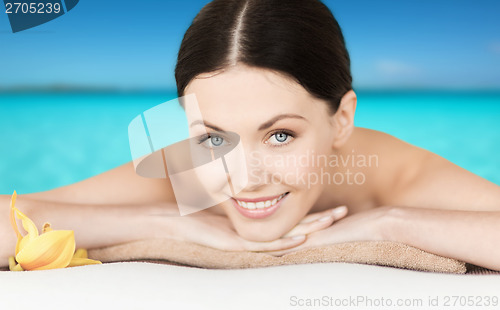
(114, 89)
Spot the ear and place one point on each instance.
(343, 119)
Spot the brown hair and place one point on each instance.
(300, 38)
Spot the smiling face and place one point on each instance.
(281, 127)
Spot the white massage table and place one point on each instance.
(141, 285)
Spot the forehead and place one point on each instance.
(247, 89)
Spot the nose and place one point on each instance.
(247, 169)
(257, 174)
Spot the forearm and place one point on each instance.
(94, 225)
(470, 236)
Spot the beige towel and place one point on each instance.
(382, 253)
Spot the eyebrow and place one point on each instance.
(273, 120)
(200, 122)
(264, 126)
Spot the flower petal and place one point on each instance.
(51, 250)
(78, 261)
(81, 253)
(46, 228)
(28, 225)
(13, 221)
(21, 243)
(13, 266)
(80, 258)
(12, 217)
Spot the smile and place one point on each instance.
(260, 207)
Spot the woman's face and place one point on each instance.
(282, 130)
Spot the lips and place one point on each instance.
(260, 207)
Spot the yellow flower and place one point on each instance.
(50, 250)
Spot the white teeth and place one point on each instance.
(260, 204)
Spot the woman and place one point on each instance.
(278, 73)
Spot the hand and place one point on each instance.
(362, 226)
(317, 221)
(217, 231)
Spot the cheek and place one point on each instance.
(302, 167)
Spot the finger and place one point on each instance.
(307, 228)
(325, 219)
(275, 245)
(315, 216)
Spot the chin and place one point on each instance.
(263, 231)
(267, 232)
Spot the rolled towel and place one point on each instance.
(383, 253)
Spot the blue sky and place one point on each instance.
(133, 44)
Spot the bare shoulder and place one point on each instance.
(397, 162)
(378, 141)
(408, 175)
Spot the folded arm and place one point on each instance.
(449, 211)
(120, 185)
(469, 236)
(113, 207)
(95, 225)
(119, 206)
(429, 204)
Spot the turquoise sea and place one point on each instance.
(50, 140)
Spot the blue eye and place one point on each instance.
(211, 141)
(280, 138)
(216, 140)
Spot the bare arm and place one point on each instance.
(110, 208)
(120, 185)
(449, 211)
(119, 206)
(469, 236)
(95, 225)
